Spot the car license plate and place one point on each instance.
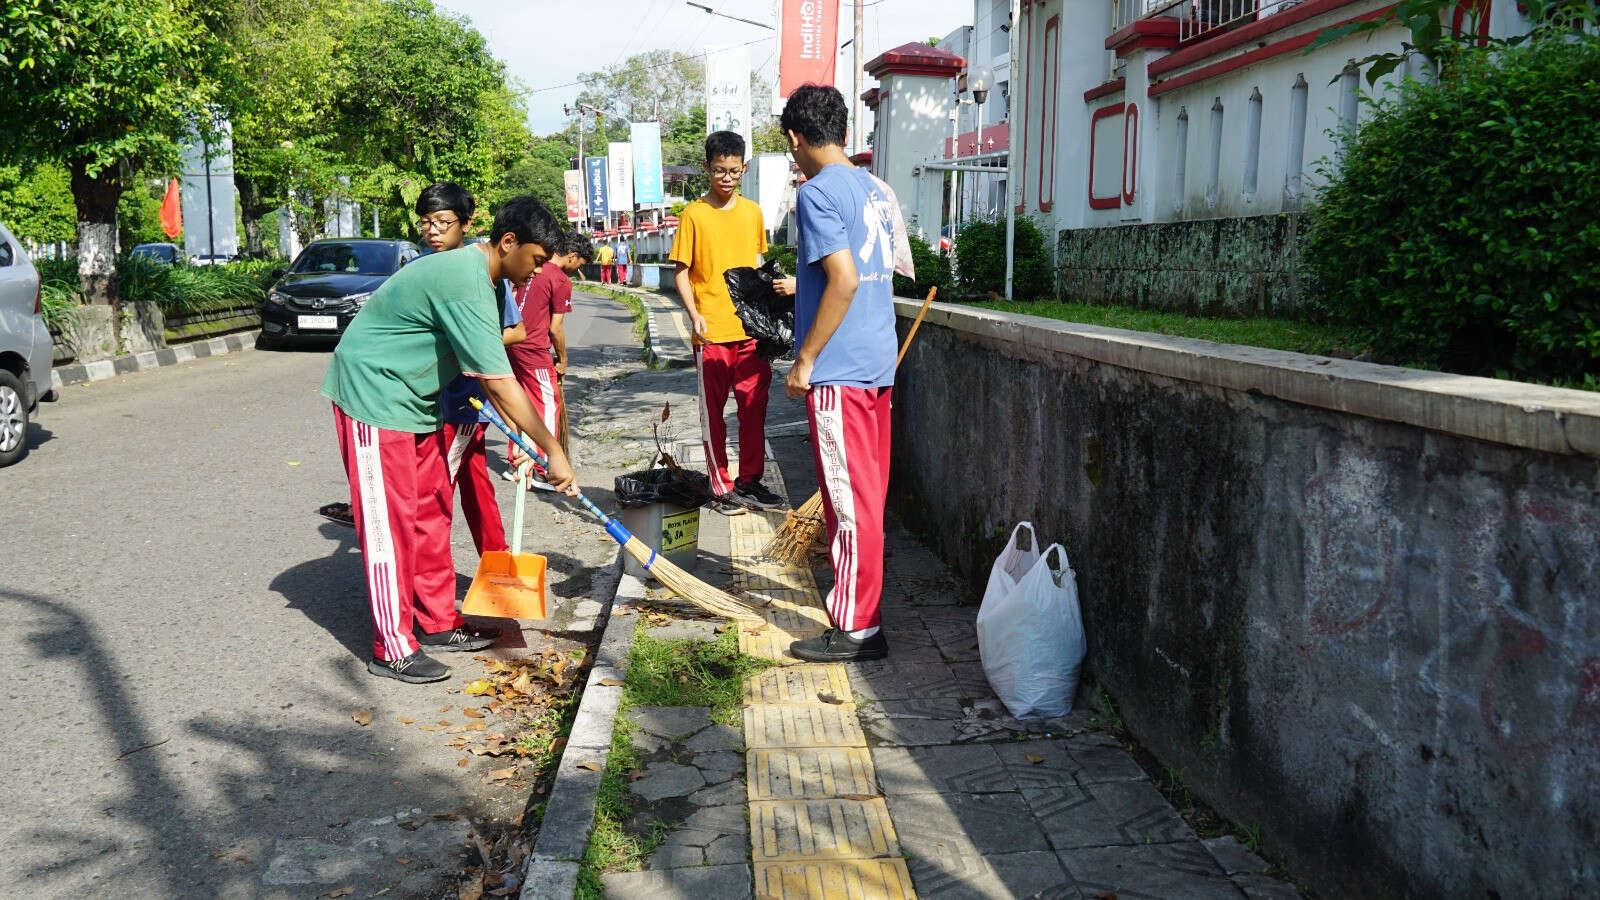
(325, 323)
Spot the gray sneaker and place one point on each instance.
(756, 495)
(418, 668)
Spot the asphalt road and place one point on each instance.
(166, 585)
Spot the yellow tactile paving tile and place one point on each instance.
(808, 773)
(822, 725)
(798, 684)
(844, 879)
(773, 644)
(832, 828)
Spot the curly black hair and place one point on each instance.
(528, 220)
(724, 143)
(816, 113)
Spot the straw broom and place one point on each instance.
(671, 576)
(793, 542)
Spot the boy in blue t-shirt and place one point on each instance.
(844, 365)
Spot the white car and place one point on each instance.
(24, 348)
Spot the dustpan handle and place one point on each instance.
(519, 508)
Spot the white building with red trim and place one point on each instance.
(1168, 146)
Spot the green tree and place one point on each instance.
(103, 86)
(38, 202)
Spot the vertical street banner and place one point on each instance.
(728, 91)
(646, 163)
(573, 181)
(808, 42)
(619, 177)
(595, 167)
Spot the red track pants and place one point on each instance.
(850, 440)
(541, 387)
(467, 463)
(390, 473)
(737, 367)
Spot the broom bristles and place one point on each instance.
(792, 543)
(687, 586)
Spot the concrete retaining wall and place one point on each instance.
(1352, 604)
(1241, 266)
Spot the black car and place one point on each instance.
(326, 286)
(169, 254)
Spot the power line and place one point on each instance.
(677, 58)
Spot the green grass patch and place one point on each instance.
(611, 847)
(690, 673)
(1274, 334)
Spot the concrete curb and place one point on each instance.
(552, 868)
(99, 370)
(663, 348)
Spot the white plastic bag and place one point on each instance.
(1030, 631)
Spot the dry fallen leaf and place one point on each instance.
(402, 860)
(827, 697)
(445, 723)
(345, 891)
(723, 627)
(859, 796)
(292, 462)
(471, 889)
(446, 708)
(502, 774)
(1033, 758)
(476, 726)
(609, 682)
(591, 766)
(407, 720)
(428, 727)
(362, 717)
(463, 762)
(472, 712)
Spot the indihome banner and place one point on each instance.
(595, 166)
(808, 35)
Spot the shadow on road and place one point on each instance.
(159, 830)
(331, 591)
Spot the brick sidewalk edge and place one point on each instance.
(99, 370)
(551, 872)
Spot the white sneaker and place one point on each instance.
(536, 482)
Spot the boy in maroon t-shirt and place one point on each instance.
(541, 359)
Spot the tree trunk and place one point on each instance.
(96, 199)
(252, 208)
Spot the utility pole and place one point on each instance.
(1013, 190)
(860, 141)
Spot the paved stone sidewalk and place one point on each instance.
(853, 780)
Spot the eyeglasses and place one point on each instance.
(437, 224)
(727, 173)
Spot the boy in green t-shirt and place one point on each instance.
(432, 320)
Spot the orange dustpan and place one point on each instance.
(509, 585)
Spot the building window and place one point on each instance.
(1050, 80)
(1292, 184)
(1252, 144)
(1214, 172)
(1182, 149)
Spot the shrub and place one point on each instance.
(58, 282)
(186, 290)
(933, 270)
(784, 254)
(980, 263)
(1459, 227)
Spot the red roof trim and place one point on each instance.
(915, 59)
(1159, 31)
(1254, 56)
(1101, 90)
(1254, 31)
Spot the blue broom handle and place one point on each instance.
(614, 528)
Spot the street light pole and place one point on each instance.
(1017, 67)
(860, 76)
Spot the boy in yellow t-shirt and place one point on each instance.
(718, 232)
(608, 263)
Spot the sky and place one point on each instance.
(546, 54)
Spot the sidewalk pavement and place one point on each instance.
(900, 777)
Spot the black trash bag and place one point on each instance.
(684, 488)
(767, 317)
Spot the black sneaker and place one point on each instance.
(755, 495)
(834, 645)
(467, 637)
(728, 504)
(418, 668)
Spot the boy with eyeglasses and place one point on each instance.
(718, 232)
(432, 320)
